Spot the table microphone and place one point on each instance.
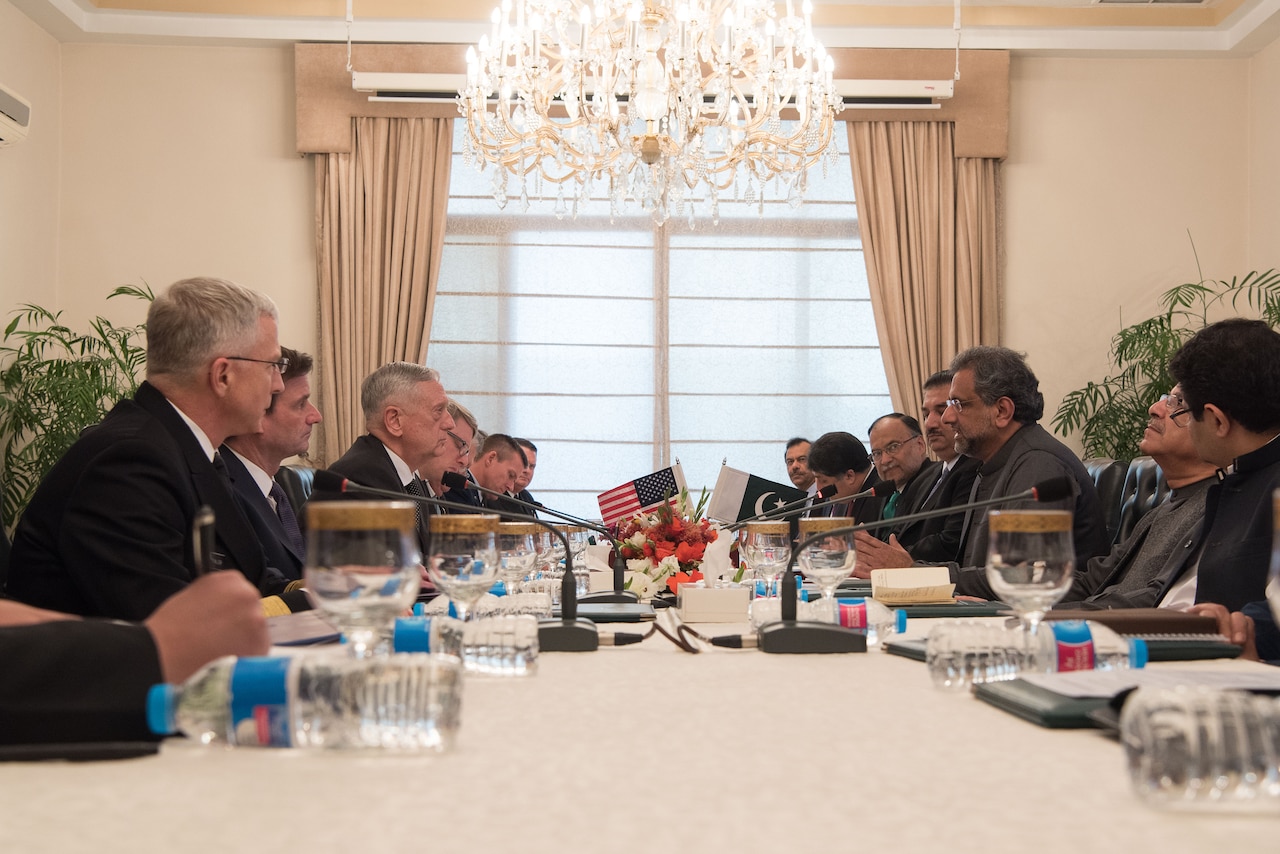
(453, 480)
(568, 634)
(790, 636)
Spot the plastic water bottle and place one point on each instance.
(497, 646)
(401, 702)
(963, 653)
(1196, 748)
(876, 620)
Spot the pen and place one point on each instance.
(202, 539)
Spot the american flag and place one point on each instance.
(645, 493)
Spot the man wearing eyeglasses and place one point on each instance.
(994, 408)
(454, 457)
(108, 532)
(1138, 568)
(898, 452)
(1229, 374)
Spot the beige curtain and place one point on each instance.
(928, 226)
(380, 219)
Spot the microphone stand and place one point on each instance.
(570, 633)
(457, 481)
(789, 635)
(786, 511)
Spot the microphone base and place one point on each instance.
(793, 636)
(610, 596)
(568, 636)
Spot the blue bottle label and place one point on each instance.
(260, 702)
(1074, 645)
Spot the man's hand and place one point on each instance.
(1233, 626)
(218, 614)
(877, 554)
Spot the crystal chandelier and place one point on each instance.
(669, 103)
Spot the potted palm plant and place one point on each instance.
(54, 382)
(1110, 414)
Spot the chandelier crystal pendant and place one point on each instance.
(664, 102)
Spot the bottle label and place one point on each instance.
(260, 702)
(853, 613)
(1073, 643)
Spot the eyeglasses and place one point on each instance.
(1178, 408)
(960, 404)
(891, 449)
(280, 365)
(464, 447)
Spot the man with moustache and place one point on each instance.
(108, 532)
(1137, 569)
(994, 408)
(797, 460)
(898, 452)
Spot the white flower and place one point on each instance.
(640, 566)
(668, 567)
(637, 539)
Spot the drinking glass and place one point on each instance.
(518, 552)
(829, 559)
(768, 551)
(464, 557)
(1030, 560)
(363, 567)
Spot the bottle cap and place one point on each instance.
(499, 588)
(412, 634)
(1138, 653)
(161, 700)
(900, 619)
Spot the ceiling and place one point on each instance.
(1061, 27)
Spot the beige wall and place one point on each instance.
(1111, 163)
(179, 161)
(1264, 159)
(29, 66)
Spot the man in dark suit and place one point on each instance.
(935, 540)
(526, 476)
(109, 531)
(1229, 376)
(406, 412)
(898, 452)
(454, 458)
(70, 680)
(253, 461)
(496, 468)
(840, 460)
(995, 407)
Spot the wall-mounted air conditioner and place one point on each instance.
(15, 117)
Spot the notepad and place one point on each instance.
(913, 585)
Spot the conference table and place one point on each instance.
(644, 748)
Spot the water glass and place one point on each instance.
(517, 551)
(464, 557)
(362, 567)
(767, 547)
(829, 559)
(1030, 560)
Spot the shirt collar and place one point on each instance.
(200, 435)
(260, 477)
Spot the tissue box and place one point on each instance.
(713, 604)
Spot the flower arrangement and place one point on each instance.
(664, 548)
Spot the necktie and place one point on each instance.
(891, 506)
(414, 487)
(220, 467)
(288, 520)
(934, 489)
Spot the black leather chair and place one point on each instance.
(1144, 488)
(1109, 476)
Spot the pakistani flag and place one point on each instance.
(739, 496)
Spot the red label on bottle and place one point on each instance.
(1075, 656)
(853, 616)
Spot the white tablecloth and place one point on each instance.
(643, 749)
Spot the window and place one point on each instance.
(618, 347)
